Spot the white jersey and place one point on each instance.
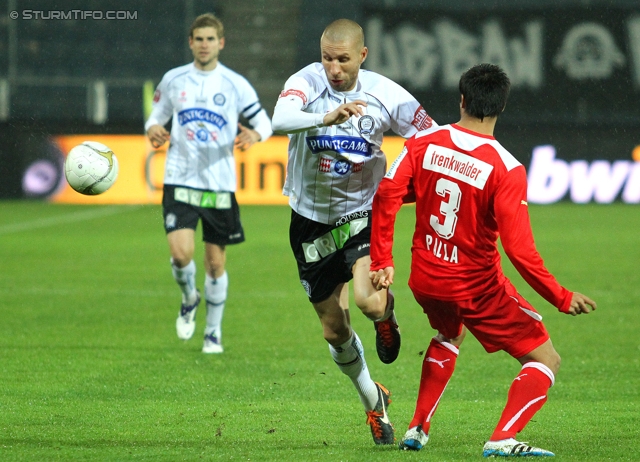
(205, 106)
(334, 171)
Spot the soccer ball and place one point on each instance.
(91, 168)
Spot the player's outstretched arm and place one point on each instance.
(344, 112)
(581, 304)
(158, 135)
(383, 278)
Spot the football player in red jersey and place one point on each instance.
(469, 190)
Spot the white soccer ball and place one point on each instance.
(91, 168)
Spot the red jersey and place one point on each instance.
(468, 191)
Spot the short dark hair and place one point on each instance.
(485, 88)
(207, 20)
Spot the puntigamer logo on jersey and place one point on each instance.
(339, 144)
(201, 115)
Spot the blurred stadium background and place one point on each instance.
(573, 117)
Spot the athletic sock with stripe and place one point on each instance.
(215, 294)
(186, 279)
(527, 394)
(349, 357)
(437, 368)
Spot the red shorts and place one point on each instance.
(500, 320)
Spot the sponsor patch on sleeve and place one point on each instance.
(396, 163)
(156, 96)
(422, 120)
(293, 92)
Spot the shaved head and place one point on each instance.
(343, 52)
(344, 30)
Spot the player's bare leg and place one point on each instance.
(215, 259)
(545, 354)
(216, 284)
(377, 305)
(527, 395)
(372, 302)
(333, 313)
(181, 246)
(348, 354)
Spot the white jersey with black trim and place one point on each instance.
(205, 106)
(334, 171)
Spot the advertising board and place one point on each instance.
(561, 166)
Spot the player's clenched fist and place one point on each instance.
(344, 112)
(158, 135)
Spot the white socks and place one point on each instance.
(215, 294)
(349, 358)
(186, 279)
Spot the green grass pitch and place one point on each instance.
(91, 368)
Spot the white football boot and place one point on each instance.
(212, 344)
(513, 448)
(414, 439)
(186, 322)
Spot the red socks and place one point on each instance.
(527, 394)
(437, 368)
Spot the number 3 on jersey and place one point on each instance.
(448, 208)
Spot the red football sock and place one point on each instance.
(437, 368)
(527, 394)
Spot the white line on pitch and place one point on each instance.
(67, 218)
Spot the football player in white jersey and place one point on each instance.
(205, 100)
(335, 114)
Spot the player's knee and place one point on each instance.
(215, 269)
(336, 336)
(549, 358)
(554, 362)
(214, 259)
(181, 251)
(335, 329)
(180, 259)
(456, 341)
